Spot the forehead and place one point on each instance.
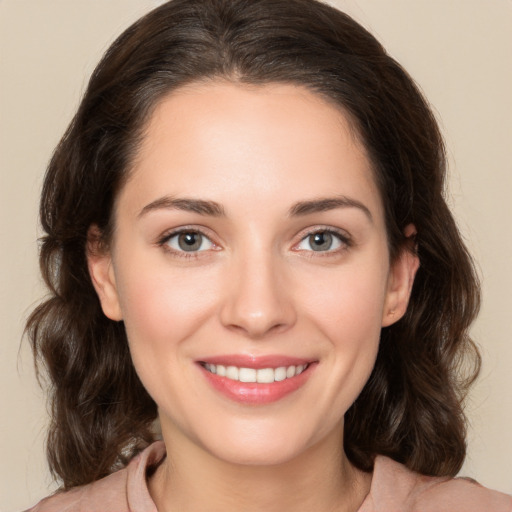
(272, 142)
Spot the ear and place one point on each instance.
(99, 262)
(401, 279)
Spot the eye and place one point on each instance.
(188, 241)
(322, 241)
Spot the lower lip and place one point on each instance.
(257, 393)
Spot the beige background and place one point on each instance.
(460, 53)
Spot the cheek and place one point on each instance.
(348, 313)
(350, 299)
(163, 307)
(347, 310)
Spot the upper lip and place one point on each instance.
(256, 362)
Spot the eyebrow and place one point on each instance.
(200, 206)
(214, 209)
(327, 203)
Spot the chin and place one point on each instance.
(268, 455)
(252, 446)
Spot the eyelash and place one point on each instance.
(344, 240)
(164, 241)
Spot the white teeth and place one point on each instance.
(263, 375)
(290, 371)
(280, 373)
(232, 372)
(247, 375)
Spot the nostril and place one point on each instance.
(258, 331)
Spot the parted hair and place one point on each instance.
(411, 409)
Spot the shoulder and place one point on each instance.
(123, 491)
(465, 495)
(109, 493)
(396, 488)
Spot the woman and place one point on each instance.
(246, 238)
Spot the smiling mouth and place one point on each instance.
(256, 380)
(252, 375)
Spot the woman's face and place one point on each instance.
(250, 245)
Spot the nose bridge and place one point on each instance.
(258, 300)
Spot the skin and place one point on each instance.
(255, 287)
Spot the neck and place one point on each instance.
(320, 479)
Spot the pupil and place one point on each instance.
(190, 241)
(321, 241)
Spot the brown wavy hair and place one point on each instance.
(411, 407)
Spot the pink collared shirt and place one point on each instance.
(394, 488)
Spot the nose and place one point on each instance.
(259, 298)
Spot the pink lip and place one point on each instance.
(253, 393)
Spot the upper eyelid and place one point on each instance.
(185, 229)
(325, 229)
